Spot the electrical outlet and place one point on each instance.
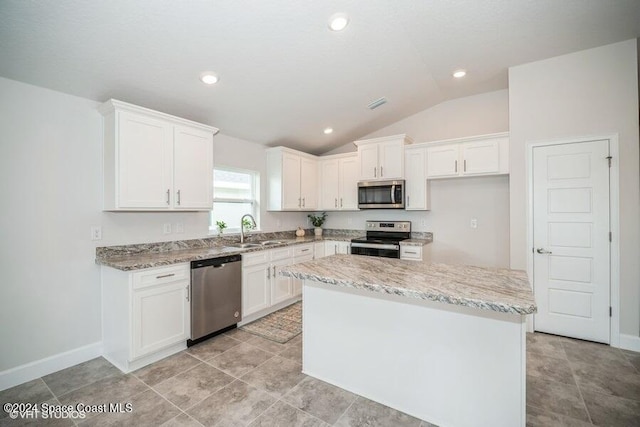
(474, 223)
(179, 227)
(167, 228)
(96, 232)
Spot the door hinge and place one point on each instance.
(609, 159)
(610, 312)
(610, 237)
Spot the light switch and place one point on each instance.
(474, 223)
(96, 232)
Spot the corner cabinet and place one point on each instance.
(338, 182)
(146, 314)
(473, 156)
(154, 161)
(292, 180)
(382, 158)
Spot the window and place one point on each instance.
(235, 193)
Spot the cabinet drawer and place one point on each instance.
(281, 253)
(413, 253)
(161, 275)
(303, 250)
(255, 258)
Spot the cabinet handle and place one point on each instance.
(408, 200)
(187, 288)
(178, 198)
(304, 203)
(375, 172)
(168, 196)
(305, 250)
(340, 201)
(336, 248)
(299, 202)
(412, 253)
(269, 272)
(381, 172)
(274, 271)
(456, 167)
(465, 165)
(336, 203)
(165, 275)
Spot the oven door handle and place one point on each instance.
(375, 246)
(393, 194)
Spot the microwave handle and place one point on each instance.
(393, 194)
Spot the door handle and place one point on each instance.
(336, 203)
(456, 166)
(168, 196)
(304, 203)
(465, 165)
(543, 251)
(178, 199)
(375, 172)
(274, 271)
(408, 200)
(269, 272)
(187, 288)
(381, 172)
(340, 201)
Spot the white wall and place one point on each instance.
(51, 177)
(592, 92)
(453, 201)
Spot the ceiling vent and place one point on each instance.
(378, 102)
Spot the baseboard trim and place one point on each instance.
(39, 368)
(629, 342)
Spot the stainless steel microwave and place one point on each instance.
(381, 194)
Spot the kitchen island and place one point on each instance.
(443, 343)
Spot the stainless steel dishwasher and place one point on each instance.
(216, 296)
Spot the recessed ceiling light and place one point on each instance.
(338, 21)
(459, 74)
(209, 78)
(327, 131)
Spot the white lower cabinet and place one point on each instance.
(411, 253)
(333, 247)
(256, 288)
(146, 314)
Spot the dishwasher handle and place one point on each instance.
(215, 262)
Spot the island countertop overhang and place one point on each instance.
(500, 290)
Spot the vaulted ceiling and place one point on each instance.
(284, 76)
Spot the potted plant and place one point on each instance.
(317, 221)
(221, 226)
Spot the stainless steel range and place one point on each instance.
(383, 239)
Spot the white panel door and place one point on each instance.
(330, 185)
(442, 161)
(281, 286)
(291, 199)
(193, 168)
(145, 161)
(308, 183)
(160, 317)
(416, 179)
(368, 161)
(391, 160)
(481, 158)
(348, 184)
(571, 239)
(256, 288)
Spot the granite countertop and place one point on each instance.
(123, 260)
(415, 242)
(501, 290)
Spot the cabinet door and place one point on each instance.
(344, 247)
(291, 199)
(416, 179)
(391, 160)
(309, 183)
(442, 161)
(256, 288)
(145, 162)
(330, 183)
(160, 317)
(319, 250)
(281, 286)
(348, 199)
(368, 161)
(481, 158)
(330, 247)
(193, 169)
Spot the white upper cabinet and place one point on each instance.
(416, 194)
(154, 161)
(382, 158)
(292, 180)
(339, 182)
(473, 156)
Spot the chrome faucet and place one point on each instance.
(242, 225)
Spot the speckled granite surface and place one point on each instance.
(137, 257)
(501, 290)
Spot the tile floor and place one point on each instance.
(238, 379)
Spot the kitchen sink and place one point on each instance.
(271, 242)
(245, 245)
